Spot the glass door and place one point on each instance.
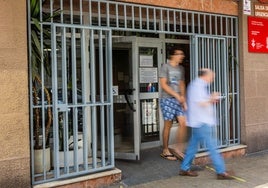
(149, 59)
(125, 94)
(135, 84)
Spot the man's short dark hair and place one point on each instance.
(174, 49)
(203, 72)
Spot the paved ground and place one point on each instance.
(153, 171)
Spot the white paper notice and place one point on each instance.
(146, 60)
(148, 75)
(247, 7)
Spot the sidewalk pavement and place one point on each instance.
(251, 171)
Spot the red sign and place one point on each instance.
(263, 1)
(257, 34)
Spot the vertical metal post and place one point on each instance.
(93, 99)
(101, 85)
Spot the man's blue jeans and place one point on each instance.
(203, 133)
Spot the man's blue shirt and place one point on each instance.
(197, 92)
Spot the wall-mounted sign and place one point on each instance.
(263, 1)
(247, 7)
(257, 34)
(115, 90)
(261, 10)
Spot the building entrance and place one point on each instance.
(138, 121)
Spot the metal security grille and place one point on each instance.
(122, 16)
(71, 101)
(80, 140)
(212, 52)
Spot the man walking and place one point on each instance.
(201, 117)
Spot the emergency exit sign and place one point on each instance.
(257, 34)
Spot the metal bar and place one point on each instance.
(168, 22)
(116, 15)
(133, 17)
(210, 25)
(161, 20)
(61, 12)
(199, 25)
(204, 24)
(181, 22)
(93, 99)
(148, 19)
(224, 51)
(55, 105)
(216, 25)
(108, 14)
(101, 85)
(125, 16)
(226, 26)
(110, 91)
(174, 21)
(140, 17)
(81, 11)
(237, 84)
(107, 63)
(99, 14)
(65, 96)
(84, 67)
(90, 12)
(193, 23)
(155, 20)
(74, 94)
(71, 11)
(187, 22)
(221, 32)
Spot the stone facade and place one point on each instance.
(14, 110)
(254, 91)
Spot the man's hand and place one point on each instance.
(215, 97)
(181, 99)
(184, 106)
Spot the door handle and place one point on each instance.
(126, 93)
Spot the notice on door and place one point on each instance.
(148, 75)
(257, 34)
(146, 60)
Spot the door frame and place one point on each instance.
(133, 44)
(150, 43)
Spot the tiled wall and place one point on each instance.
(216, 6)
(14, 105)
(254, 92)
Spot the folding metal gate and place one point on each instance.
(81, 88)
(211, 52)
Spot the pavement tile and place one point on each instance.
(152, 171)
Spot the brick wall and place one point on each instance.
(254, 92)
(14, 108)
(229, 7)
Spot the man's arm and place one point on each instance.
(214, 98)
(182, 86)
